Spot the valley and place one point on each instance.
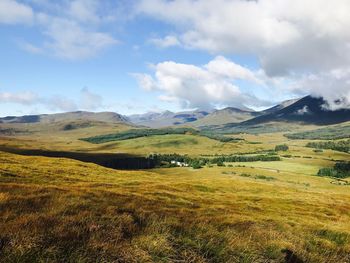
(111, 191)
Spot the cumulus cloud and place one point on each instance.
(13, 12)
(285, 35)
(70, 29)
(296, 41)
(145, 81)
(69, 40)
(333, 86)
(202, 87)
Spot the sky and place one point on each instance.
(135, 56)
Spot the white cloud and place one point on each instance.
(69, 40)
(145, 81)
(226, 68)
(89, 100)
(13, 12)
(59, 103)
(289, 35)
(303, 111)
(299, 44)
(168, 41)
(84, 10)
(70, 29)
(200, 86)
(30, 48)
(333, 86)
(24, 98)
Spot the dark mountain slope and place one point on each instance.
(278, 107)
(308, 110)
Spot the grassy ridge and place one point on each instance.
(333, 132)
(137, 133)
(67, 211)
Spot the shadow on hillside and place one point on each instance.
(109, 160)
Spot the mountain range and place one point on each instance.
(167, 118)
(111, 117)
(307, 110)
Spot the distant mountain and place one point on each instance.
(111, 117)
(308, 110)
(226, 115)
(278, 107)
(167, 118)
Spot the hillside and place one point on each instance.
(63, 210)
(69, 116)
(230, 118)
(167, 118)
(279, 107)
(308, 110)
(226, 115)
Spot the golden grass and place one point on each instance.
(60, 210)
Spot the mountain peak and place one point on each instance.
(309, 110)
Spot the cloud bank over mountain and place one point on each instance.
(87, 100)
(305, 43)
(252, 52)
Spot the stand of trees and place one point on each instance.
(137, 133)
(245, 158)
(341, 146)
(340, 170)
(164, 160)
(282, 147)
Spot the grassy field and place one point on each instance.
(60, 210)
(63, 210)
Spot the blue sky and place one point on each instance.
(152, 55)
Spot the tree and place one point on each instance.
(282, 147)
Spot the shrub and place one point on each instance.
(196, 165)
(220, 163)
(282, 147)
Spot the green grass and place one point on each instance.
(332, 132)
(61, 210)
